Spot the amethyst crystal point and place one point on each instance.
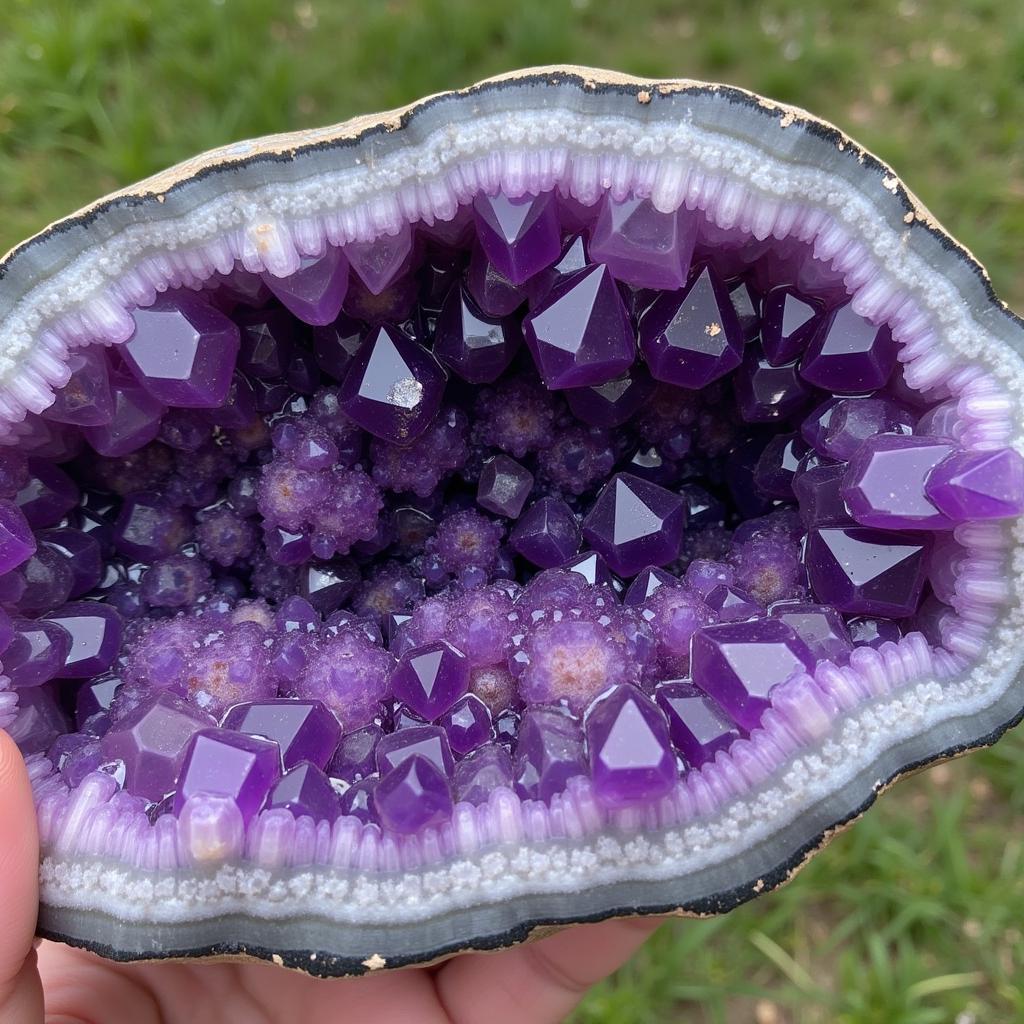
(82, 553)
(593, 568)
(738, 663)
(47, 579)
(473, 345)
(732, 604)
(788, 323)
(863, 571)
(634, 523)
(978, 485)
(315, 292)
(504, 486)
(48, 494)
(86, 400)
(304, 730)
(135, 422)
(151, 741)
(548, 753)
(642, 246)
(493, 293)
(335, 344)
(481, 772)
(852, 421)
(848, 354)
(40, 720)
(95, 632)
(427, 741)
(17, 544)
(819, 626)
(467, 723)
(356, 755)
(693, 336)
(765, 393)
(95, 697)
(613, 403)
(547, 534)
(645, 583)
(818, 487)
(267, 338)
(378, 263)
(777, 465)
(520, 236)
(393, 387)
(304, 789)
(631, 757)
(412, 796)
(221, 763)
(36, 653)
(430, 679)
(698, 726)
(580, 335)
(884, 485)
(183, 351)
(148, 528)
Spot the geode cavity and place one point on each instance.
(567, 498)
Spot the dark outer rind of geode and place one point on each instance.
(277, 159)
(293, 944)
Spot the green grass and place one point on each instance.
(915, 915)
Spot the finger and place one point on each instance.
(21, 995)
(542, 981)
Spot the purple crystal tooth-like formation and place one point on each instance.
(547, 513)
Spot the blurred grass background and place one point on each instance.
(916, 915)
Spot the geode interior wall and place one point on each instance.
(565, 498)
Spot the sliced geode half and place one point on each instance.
(566, 498)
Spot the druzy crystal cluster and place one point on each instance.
(544, 493)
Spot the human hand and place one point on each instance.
(535, 983)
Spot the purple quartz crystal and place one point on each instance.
(613, 403)
(229, 764)
(183, 351)
(504, 486)
(40, 720)
(884, 485)
(151, 741)
(732, 604)
(17, 544)
(482, 771)
(95, 697)
(135, 422)
(467, 723)
(642, 246)
(148, 528)
(692, 337)
(547, 534)
(48, 494)
(304, 789)
(266, 342)
(580, 335)
(412, 796)
(631, 758)
(819, 626)
(36, 652)
(315, 292)
(393, 387)
(789, 321)
(86, 400)
(82, 553)
(698, 726)
(634, 523)
(356, 755)
(978, 485)
(519, 236)
(304, 730)
(548, 753)
(848, 354)
(430, 679)
(863, 571)
(818, 487)
(738, 663)
(765, 393)
(645, 583)
(427, 741)
(471, 344)
(95, 632)
(777, 465)
(335, 344)
(378, 263)
(853, 421)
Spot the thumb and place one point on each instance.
(21, 994)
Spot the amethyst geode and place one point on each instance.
(569, 498)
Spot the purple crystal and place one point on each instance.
(818, 487)
(698, 726)
(872, 632)
(412, 796)
(863, 571)
(634, 523)
(732, 604)
(304, 730)
(631, 758)
(738, 663)
(493, 293)
(819, 626)
(467, 723)
(475, 346)
(17, 544)
(788, 323)
(315, 292)
(611, 404)
(267, 338)
(335, 344)
(95, 632)
(852, 421)
(642, 246)
(580, 335)
(40, 720)
(693, 336)
(848, 354)
(229, 764)
(95, 697)
(378, 263)
(36, 653)
(765, 393)
(357, 801)
(82, 553)
(549, 752)
(393, 388)
(504, 486)
(304, 789)
(884, 485)
(428, 741)
(148, 528)
(646, 583)
(48, 581)
(777, 465)
(183, 351)
(592, 568)
(135, 422)
(547, 534)
(430, 679)
(47, 496)
(356, 754)
(151, 741)
(86, 400)
(479, 773)
(520, 236)
(978, 485)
